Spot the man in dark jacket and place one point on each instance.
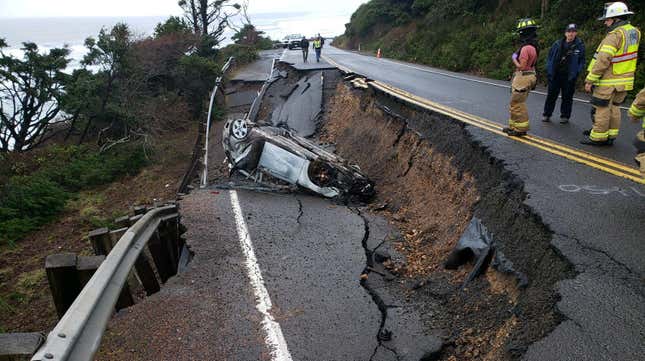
(304, 45)
(566, 60)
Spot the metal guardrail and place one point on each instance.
(77, 336)
(255, 107)
(218, 82)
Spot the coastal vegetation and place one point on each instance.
(79, 145)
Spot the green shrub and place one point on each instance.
(27, 201)
(243, 54)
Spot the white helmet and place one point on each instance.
(616, 9)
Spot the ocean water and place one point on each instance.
(49, 33)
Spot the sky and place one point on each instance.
(60, 8)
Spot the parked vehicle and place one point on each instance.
(292, 41)
(254, 150)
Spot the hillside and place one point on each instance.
(474, 36)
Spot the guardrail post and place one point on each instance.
(101, 242)
(123, 222)
(146, 274)
(140, 210)
(87, 265)
(159, 252)
(169, 235)
(19, 346)
(63, 280)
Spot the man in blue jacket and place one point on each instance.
(566, 60)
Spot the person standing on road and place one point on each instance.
(524, 79)
(611, 74)
(304, 45)
(637, 113)
(318, 44)
(566, 60)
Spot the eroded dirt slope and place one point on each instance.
(431, 180)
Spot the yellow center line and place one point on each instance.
(579, 156)
(542, 141)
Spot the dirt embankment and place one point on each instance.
(25, 301)
(434, 178)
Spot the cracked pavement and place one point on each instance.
(311, 253)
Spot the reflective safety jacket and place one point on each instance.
(637, 110)
(317, 44)
(614, 63)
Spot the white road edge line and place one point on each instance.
(274, 337)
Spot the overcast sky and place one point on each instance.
(56, 8)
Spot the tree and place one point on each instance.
(109, 54)
(172, 26)
(30, 90)
(209, 19)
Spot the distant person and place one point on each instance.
(637, 113)
(524, 78)
(304, 45)
(318, 44)
(566, 60)
(611, 74)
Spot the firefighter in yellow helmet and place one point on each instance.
(637, 113)
(524, 79)
(611, 74)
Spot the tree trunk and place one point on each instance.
(544, 8)
(203, 13)
(193, 10)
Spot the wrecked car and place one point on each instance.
(254, 150)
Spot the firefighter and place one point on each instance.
(524, 79)
(611, 74)
(637, 113)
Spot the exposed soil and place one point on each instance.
(25, 301)
(432, 178)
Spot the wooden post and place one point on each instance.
(63, 280)
(87, 266)
(140, 210)
(116, 235)
(122, 222)
(19, 346)
(169, 235)
(134, 219)
(146, 274)
(159, 252)
(101, 243)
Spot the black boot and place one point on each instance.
(586, 132)
(513, 132)
(588, 141)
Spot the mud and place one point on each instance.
(432, 178)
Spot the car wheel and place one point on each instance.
(239, 128)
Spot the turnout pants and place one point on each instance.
(560, 84)
(606, 102)
(523, 82)
(639, 143)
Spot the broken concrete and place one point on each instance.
(302, 106)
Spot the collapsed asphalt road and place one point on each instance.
(291, 276)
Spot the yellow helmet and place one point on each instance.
(526, 23)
